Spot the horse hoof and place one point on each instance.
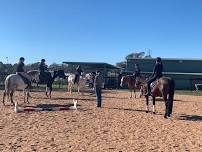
(154, 112)
(147, 111)
(165, 117)
(169, 116)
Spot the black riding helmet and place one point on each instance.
(43, 60)
(22, 58)
(158, 59)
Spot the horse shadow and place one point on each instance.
(132, 110)
(190, 118)
(107, 97)
(126, 109)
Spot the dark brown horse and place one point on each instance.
(163, 87)
(130, 80)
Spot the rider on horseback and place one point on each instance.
(78, 74)
(137, 71)
(43, 68)
(157, 73)
(21, 71)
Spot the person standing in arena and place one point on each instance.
(98, 88)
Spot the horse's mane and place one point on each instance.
(33, 72)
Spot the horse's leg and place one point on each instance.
(131, 95)
(166, 105)
(24, 96)
(147, 104)
(8, 96)
(50, 90)
(154, 101)
(170, 107)
(141, 92)
(27, 96)
(11, 96)
(70, 89)
(4, 95)
(46, 91)
(135, 93)
(78, 88)
(59, 84)
(170, 99)
(67, 87)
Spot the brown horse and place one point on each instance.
(163, 87)
(131, 82)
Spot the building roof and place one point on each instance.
(171, 59)
(95, 65)
(172, 73)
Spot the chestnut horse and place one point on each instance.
(163, 87)
(131, 82)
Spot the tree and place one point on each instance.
(121, 64)
(33, 66)
(135, 55)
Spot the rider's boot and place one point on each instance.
(148, 90)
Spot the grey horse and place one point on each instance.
(14, 82)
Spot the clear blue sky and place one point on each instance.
(99, 30)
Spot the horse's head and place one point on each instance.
(140, 80)
(88, 76)
(85, 76)
(143, 89)
(34, 75)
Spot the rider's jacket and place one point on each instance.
(158, 69)
(42, 67)
(20, 67)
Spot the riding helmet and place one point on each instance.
(22, 58)
(43, 60)
(158, 59)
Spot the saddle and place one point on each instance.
(153, 84)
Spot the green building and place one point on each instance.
(185, 72)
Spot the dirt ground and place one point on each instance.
(121, 125)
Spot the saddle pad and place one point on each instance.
(153, 84)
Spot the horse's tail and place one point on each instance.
(7, 86)
(171, 96)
